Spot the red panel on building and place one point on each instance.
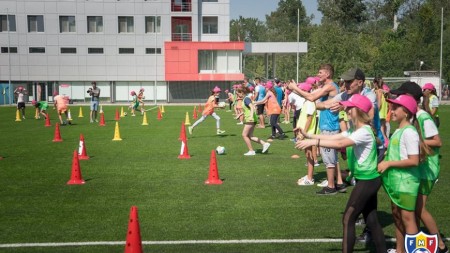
(181, 59)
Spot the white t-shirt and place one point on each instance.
(434, 102)
(429, 126)
(296, 100)
(363, 143)
(409, 143)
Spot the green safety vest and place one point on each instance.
(248, 116)
(367, 170)
(429, 168)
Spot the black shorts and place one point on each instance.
(259, 109)
(20, 105)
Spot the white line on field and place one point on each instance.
(245, 241)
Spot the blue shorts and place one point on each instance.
(94, 105)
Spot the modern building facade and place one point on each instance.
(177, 50)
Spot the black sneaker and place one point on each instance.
(342, 188)
(271, 137)
(444, 250)
(327, 191)
(282, 136)
(366, 236)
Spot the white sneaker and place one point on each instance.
(250, 153)
(265, 147)
(316, 164)
(391, 251)
(240, 123)
(305, 181)
(190, 130)
(220, 131)
(323, 183)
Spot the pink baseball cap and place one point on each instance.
(55, 93)
(132, 93)
(33, 102)
(142, 90)
(386, 88)
(216, 89)
(359, 101)
(428, 86)
(269, 85)
(305, 86)
(251, 88)
(312, 79)
(226, 91)
(406, 101)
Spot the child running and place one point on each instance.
(363, 154)
(400, 171)
(250, 119)
(41, 108)
(141, 98)
(134, 103)
(211, 103)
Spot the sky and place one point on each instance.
(259, 9)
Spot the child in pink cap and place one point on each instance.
(361, 145)
(400, 171)
(431, 102)
(210, 104)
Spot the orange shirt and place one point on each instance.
(209, 106)
(272, 106)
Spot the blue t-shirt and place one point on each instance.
(329, 120)
(261, 93)
(279, 92)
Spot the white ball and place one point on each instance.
(221, 104)
(220, 150)
(125, 113)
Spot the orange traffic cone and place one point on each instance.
(213, 177)
(76, 177)
(133, 243)
(47, 121)
(57, 136)
(102, 119)
(117, 115)
(82, 155)
(159, 114)
(184, 152)
(194, 113)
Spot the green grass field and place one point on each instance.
(259, 198)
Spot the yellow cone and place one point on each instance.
(80, 114)
(121, 112)
(69, 115)
(101, 108)
(117, 133)
(162, 109)
(36, 115)
(18, 115)
(144, 120)
(187, 121)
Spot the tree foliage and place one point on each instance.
(382, 37)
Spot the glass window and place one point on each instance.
(219, 61)
(153, 50)
(94, 24)
(37, 50)
(68, 50)
(210, 1)
(35, 23)
(126, 50)
(210, 25)
(126, 24)
(7, 23)
(67, 24)
(206, 60)
(95, 50)
(153, 24)
(12, 50)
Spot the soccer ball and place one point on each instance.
(125, 113)
(221, 104)
(220, 150)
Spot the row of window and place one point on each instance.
(67, 24)
(73, 50)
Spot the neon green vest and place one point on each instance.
(429, 168)
(401, 184)
(301, 122)
(248, 116)
(367, 170)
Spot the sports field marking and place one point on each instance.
(244, 241)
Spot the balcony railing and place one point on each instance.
(183, 7)
(181, 36)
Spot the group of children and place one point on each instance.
(138, 99)
(407, 173)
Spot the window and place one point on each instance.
(126, 25)
(95, 50)
(210, 25)
(94, 24)
(37, 50)
(153, 50)
(126, 50)
(35, 23)
(12, 50)
(210, 1)
(68, 50)
(219, 61)
(153, 24)
(7, 23)
(67, 24)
